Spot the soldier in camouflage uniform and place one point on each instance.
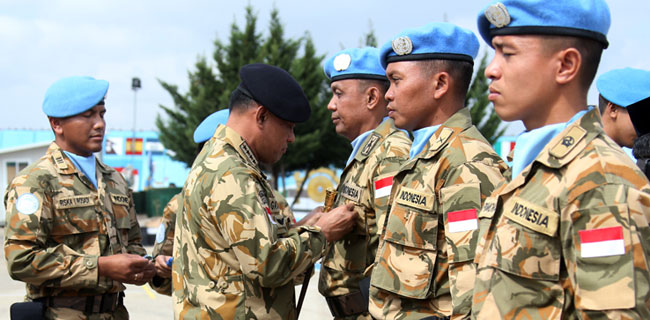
(569, 232)
(162, 250)
(72, 234)
(358, 108)
(235, 254)
(424, 262)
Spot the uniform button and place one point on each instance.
(211, 284)
(89, 263)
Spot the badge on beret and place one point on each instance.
(402, 45)
(342, 62)
(498, 15)
(27, 203)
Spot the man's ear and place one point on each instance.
(569, 63)
(57, 125)
(261, 115)
(611, 110)
(440, 84)
(372, 97)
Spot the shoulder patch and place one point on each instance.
(120, 199)
(351, 192)
(532, 216)
(442, 138)
(86, 200)
(372, 141)
(416, 199)
(568, 142)
(27, 203)
(58, 160)
(248, 152)
(160, 235)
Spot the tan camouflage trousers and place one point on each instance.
(72, 314)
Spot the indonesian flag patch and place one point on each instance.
(383, 187)
(602, 242)
(268, 211)
(463, 220)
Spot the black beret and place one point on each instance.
(276, 90)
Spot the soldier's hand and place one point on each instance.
(162, 269)
(126, 268)
(311, 218)
(337, 222)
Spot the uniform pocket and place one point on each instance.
(406, 262)
(605, 266)
(459, 204)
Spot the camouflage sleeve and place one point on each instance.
(165, 244)
(382, 183)
(30, 257)
(461, 198)
(604, 233)
(239, 212)
(134, 245)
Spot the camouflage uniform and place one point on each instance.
(235, 256)
(533, 260)
(166, 245)
(55, 249)
(348, 260)
(424, 261)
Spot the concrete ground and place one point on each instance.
(144, 303)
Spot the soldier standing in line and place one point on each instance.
(162, 250)
(624, 102)
(569, 232)
(235, 254)
(72, 234)
(359, 113)
(424, 265)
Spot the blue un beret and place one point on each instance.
(355, 63)
(73, 95)
(629, 88)
(206, 128)
(276, 90)
(434, 41)
(576, 18)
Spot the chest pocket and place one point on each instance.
(120, 205)
(407, 256)
(75, 222)
(525, 242)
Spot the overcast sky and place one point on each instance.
(41, 41)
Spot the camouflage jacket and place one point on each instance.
(366, 181)
(235, 256)
(424, 261)
(58, 224)
(569, 236)
(165, 243)
(165, 237)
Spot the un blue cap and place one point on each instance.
(209, 125)
(73, 95)
(630, 89)
(624, 87)
(577, 18)
(434, 41)
(355, 63)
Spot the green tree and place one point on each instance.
(483, 115)
(316, 145)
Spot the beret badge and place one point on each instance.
(402, 45)
(342, 62)
(498, 15)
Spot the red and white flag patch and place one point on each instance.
(602, 242)
(268, 211)
(383, 187)
(463, 220)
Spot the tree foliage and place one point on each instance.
(483, 115)
(211, 84)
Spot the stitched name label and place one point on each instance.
(416, 199)
(351, 192)
(532, 216)
(120, 199)
(75, 202)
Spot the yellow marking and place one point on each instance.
(149, 292)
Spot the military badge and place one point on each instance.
(498, 15)
(402, 45)
(27, 203)
(342, 62)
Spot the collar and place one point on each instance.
(356, 144)
(420, 139)
(373, 141)
(231, 137)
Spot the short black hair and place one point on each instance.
(460, 71)
(590, 50)
(602, 104)
(240, 101)
(382, 85)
